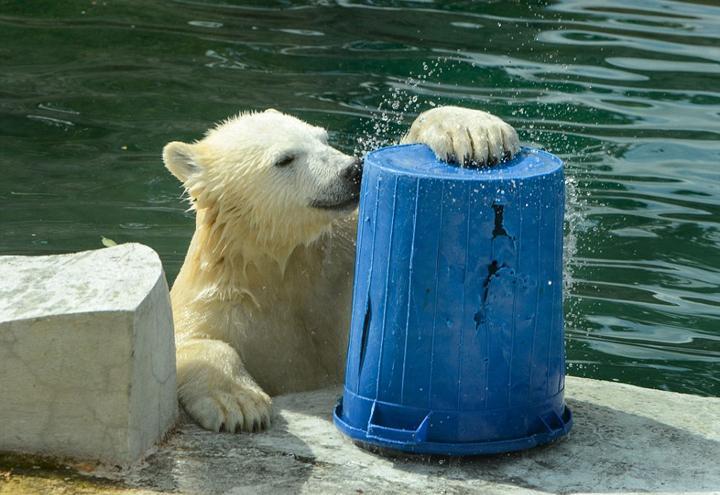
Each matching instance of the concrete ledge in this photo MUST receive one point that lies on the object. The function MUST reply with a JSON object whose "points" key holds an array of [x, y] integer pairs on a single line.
{"points": [[625, 440], [87, 354]]}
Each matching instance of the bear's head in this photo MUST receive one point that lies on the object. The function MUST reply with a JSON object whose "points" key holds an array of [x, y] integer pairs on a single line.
{"points": [[267, 180]]}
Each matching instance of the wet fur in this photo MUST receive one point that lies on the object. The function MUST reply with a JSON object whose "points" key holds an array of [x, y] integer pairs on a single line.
{"points": [[261, 304]]}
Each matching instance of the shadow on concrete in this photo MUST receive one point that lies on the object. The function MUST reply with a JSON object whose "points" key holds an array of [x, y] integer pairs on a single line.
{"points": [[608, 451], [198, 461]]}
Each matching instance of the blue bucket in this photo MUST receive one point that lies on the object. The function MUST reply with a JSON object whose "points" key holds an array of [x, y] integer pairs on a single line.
{"points": [[456, 341]]}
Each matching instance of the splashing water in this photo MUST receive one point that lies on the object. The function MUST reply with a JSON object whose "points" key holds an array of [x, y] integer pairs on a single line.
{"points": [[403, 101], [575, 225], [393, 111]]}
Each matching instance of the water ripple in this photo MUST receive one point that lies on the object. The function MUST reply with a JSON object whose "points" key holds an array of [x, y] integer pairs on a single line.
{"points": [[626, 93]]}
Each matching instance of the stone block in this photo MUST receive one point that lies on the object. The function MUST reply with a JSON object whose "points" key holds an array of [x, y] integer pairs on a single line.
{"points": [[87, 354]]}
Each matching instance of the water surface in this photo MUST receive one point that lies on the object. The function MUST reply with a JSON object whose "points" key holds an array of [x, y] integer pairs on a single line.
{"points": [[626, 92]]}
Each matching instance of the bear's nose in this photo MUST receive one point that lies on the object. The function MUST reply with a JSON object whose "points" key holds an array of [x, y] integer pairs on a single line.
{"points": [[353, 173]]}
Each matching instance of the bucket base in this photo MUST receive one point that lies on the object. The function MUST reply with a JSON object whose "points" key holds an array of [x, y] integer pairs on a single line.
{"points": [[392, 447]]}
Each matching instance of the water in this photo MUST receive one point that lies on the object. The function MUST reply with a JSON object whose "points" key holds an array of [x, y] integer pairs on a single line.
{"points": [[627, 93]]}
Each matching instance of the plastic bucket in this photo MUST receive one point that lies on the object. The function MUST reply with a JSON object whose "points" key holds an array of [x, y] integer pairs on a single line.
{"points": [[456, 341]]}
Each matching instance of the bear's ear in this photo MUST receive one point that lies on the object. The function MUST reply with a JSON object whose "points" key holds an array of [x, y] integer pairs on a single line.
{"points": [[180, 159], [272, 110]]}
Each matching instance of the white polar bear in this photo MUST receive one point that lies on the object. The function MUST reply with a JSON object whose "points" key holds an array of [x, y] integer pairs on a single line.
{"points": [[262, 301]]}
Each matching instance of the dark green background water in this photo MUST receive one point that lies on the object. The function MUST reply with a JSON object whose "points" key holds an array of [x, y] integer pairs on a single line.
{"points": [[626, 92]]}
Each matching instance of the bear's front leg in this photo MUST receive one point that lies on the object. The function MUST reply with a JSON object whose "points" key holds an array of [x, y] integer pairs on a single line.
{"points": [[216, 390], [464, 136]]}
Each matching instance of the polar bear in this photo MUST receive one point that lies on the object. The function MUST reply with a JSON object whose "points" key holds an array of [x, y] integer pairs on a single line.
{"points": [[261, 304]]}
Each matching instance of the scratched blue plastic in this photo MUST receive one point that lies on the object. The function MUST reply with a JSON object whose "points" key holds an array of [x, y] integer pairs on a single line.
{"points": [[456, 342]]}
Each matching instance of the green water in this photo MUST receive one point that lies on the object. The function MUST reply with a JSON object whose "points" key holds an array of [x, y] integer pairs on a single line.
{"points": [[626, 92]]}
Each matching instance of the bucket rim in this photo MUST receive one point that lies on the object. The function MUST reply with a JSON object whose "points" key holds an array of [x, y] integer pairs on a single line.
{"points": [[459, 448], [527, 163]]}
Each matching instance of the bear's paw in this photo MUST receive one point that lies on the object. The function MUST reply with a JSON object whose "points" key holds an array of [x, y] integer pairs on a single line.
{"points": [[464, 136], [243, 408]]}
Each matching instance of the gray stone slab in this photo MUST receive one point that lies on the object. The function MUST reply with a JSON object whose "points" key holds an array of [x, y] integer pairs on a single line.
{"points": [[625, 440], [87, 354]]}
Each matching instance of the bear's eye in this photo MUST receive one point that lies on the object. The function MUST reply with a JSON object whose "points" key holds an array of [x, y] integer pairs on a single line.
{"points": [[285, 161]]}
